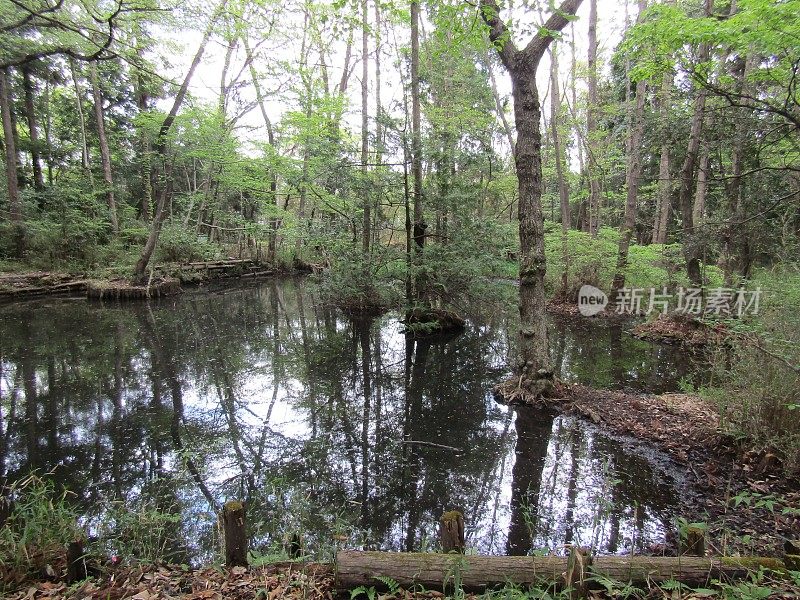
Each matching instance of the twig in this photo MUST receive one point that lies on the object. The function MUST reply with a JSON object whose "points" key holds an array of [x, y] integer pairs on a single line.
{"points": [[432, 445]]}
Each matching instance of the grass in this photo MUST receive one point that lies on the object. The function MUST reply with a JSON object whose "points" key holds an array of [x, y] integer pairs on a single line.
{"points": [[757, 380]]}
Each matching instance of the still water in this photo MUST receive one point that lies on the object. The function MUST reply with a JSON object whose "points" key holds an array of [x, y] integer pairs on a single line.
{"points": [[344, 430]]}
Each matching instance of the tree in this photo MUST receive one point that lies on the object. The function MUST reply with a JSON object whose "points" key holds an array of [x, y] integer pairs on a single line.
{"points": [[12, 183], [534, 360], [633, 173], [591, 125], [105, 152], [160, 149]]}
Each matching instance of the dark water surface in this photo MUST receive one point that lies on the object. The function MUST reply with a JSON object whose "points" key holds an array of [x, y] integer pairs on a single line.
{"points": [[265, 394]]}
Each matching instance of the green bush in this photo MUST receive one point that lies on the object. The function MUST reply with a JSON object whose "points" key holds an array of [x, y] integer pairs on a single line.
{"points": [[177, 244]]}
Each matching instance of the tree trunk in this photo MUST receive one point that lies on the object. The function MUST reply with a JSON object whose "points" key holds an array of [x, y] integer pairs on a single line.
{"points": [[534, 359], [12, 183], [160, 149], [691, 244], [699, 207], [33, 129], [664, 201], [416, 152], [563, 188], [105, 153], [367, 216], [273, 176], [379, 145], [632, 173], [81, 122], [591, 125]]}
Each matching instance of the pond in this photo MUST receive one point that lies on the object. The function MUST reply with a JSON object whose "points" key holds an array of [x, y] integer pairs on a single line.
{"points": [[344, 430]]}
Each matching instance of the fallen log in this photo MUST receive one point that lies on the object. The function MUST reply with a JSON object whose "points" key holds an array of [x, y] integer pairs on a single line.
{"points": [[435, 571]]}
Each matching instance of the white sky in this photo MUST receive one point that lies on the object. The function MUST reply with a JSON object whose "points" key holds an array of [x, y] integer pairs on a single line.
{"points": [[205, 84]]}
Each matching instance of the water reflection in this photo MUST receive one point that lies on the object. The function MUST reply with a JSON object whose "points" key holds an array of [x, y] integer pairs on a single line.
{"points": [[340, 429]]}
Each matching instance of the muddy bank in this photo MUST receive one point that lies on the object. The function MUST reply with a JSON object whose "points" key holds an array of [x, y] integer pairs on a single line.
{"points": [[750, 503], [681, 329], [165, 280]]}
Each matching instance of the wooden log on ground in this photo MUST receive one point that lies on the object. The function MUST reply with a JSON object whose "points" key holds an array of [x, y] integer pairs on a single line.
{"points": [[354, 568], [451, 532], [233, 526]]}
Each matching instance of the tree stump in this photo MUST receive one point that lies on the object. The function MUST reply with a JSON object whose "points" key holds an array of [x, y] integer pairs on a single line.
{"points": [[693, 542], [76, 562], [577, 572], [233, 526], [451, 531]]}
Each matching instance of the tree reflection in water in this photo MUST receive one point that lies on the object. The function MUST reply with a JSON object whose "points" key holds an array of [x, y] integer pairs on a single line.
{"points": [[266, 394]]}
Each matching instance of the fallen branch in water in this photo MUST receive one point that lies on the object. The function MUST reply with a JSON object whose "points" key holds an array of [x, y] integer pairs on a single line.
{"points": [[432, 445]]}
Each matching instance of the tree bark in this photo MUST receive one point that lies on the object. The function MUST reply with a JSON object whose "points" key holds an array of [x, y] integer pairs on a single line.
{"points": [[664, 201], [105, 153], [14, 203], [367, 216], [273, 175], [33, 128], [432, 571], [81, 121], [632, 174], [534, 360], [416, 153], [563, 187], [691, 244], [591, 125]]}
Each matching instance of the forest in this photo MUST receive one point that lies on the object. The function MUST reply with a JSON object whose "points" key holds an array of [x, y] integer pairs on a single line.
{"points": [[425, 194]]}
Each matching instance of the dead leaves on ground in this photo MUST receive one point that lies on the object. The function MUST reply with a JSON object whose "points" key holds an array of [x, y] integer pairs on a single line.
{"points": [[161, 583]]}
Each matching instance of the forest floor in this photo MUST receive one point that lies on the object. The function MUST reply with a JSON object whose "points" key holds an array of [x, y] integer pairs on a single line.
{"points": [[748, 501]]}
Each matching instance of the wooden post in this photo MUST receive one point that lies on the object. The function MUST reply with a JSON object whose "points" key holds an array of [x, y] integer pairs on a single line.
{"points": [[6, 508], [577, 571], [294, 547], [792, 556], [451, 531], [693, 541], [76, 562], [233, 525]]}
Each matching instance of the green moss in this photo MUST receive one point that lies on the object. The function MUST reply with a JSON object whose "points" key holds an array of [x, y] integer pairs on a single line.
{"points": [[452, 515], [233, 506], [754, 563]]}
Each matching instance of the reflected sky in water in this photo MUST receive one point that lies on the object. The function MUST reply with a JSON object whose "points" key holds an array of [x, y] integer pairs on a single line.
{"points": [[326, 425]]}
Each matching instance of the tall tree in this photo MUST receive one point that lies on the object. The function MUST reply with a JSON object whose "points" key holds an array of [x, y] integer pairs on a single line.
{"points": [[558, 151], [664, 197], [105, 152], [691, 243], [534, 360], [367, 217], [12, 183], [633, 172], [160, 149], [591, 124], [33, 127], [416, 153]]}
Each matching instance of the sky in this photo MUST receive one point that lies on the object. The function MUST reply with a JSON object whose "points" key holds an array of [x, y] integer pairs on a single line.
{"points": [[206, 83]]}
